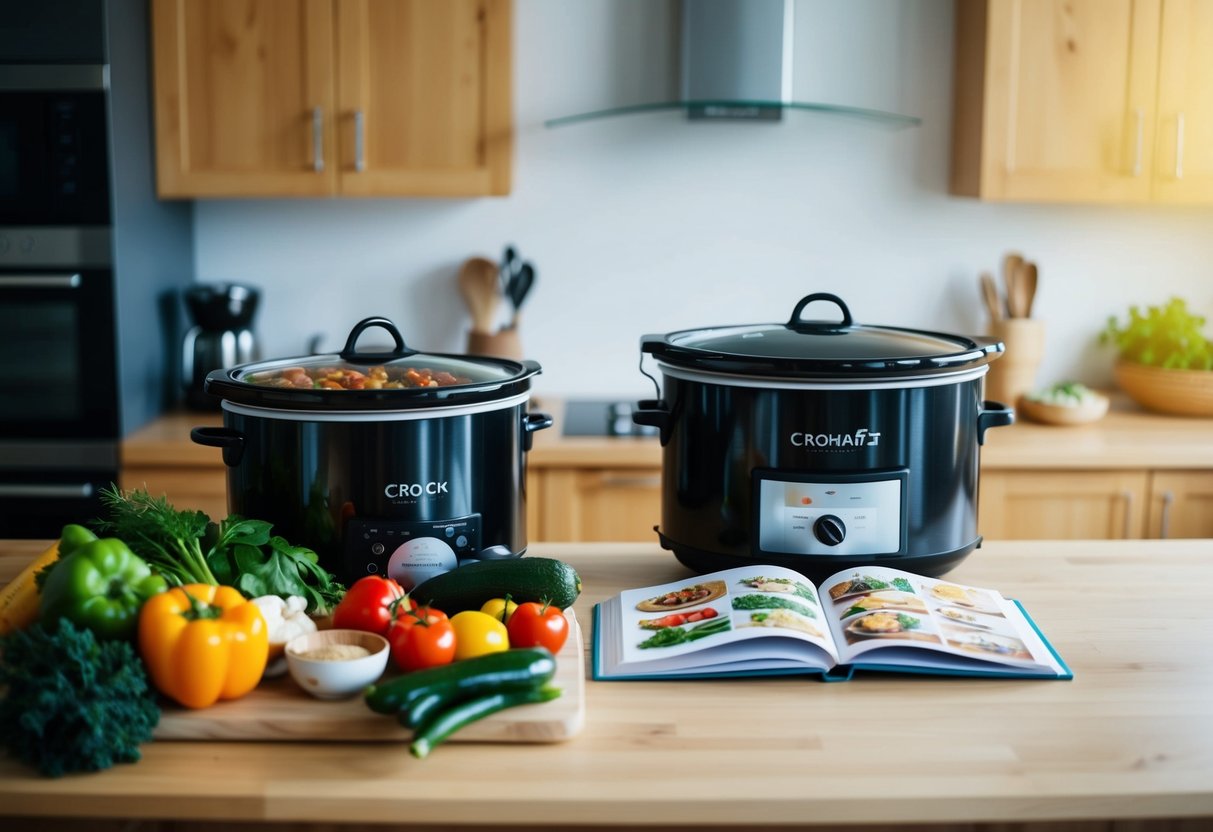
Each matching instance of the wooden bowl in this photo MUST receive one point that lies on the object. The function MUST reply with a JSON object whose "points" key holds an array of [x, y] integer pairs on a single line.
{"points": [[1181, 392], [1091, 410]]}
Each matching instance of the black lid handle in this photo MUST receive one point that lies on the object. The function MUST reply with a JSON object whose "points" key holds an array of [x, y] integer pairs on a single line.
{"points": [[799, 325], [350, 351]]}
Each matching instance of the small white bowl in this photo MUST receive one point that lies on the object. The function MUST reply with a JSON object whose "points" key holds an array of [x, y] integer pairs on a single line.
{"points": [[336, 678]]}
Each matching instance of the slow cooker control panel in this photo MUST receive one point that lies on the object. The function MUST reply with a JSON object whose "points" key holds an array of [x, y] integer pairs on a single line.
{"points": [[409, 551], [859, 514]]}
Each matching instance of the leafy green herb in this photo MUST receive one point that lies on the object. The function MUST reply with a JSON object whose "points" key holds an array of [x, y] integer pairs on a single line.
{"points": [[903, 584], [757, 601], [1164, 336], [908, 622], [169, 540], [281, 569], [71, 702], [670, 636], [186, 547]]}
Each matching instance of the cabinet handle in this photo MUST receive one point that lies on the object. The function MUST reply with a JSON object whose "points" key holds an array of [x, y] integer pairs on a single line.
{"points": [[1179, 146], [40, 281], [318, 139], [1127, 496], [630, 481], [81, 491], [1140, 119], [359, 142], [1164, 523]]}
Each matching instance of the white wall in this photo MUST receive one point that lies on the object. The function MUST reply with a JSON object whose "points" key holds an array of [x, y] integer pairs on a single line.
{"points": [[650, 223]]}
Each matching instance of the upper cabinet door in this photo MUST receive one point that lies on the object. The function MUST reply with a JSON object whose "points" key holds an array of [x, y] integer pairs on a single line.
{"points": [[424, 97], [324, 97], [1055, 99], [1183, 170], [244, 97]]}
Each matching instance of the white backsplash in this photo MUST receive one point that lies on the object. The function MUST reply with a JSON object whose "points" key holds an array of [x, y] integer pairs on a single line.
{"points": [[650, 223]]}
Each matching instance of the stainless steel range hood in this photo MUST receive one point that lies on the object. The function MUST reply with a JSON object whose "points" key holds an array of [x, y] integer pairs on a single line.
{"points": [[736, 63], [736, 58]]}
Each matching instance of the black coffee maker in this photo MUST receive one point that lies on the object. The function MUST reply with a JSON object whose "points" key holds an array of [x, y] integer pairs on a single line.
{"points": [[221, 337]]}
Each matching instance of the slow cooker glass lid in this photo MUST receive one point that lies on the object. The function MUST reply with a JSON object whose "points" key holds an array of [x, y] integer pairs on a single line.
{"points": [[836, 347], [853, 343], [332, 372]]}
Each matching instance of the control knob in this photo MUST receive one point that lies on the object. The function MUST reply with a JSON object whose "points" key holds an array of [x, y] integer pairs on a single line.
{"points": [[829, 529]]}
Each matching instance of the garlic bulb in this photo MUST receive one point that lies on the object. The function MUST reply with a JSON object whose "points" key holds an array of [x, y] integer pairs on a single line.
{"points": [[284, 620]]}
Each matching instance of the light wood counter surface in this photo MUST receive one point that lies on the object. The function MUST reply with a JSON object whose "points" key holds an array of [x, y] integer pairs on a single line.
{"points": [[1131, 737], [1128, 437]]}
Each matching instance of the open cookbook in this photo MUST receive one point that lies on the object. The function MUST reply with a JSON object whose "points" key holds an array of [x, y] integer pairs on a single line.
{"points": [[767, 620]]}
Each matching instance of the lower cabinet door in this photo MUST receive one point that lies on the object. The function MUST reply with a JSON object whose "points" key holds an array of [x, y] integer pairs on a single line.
{"points": [[1181, 504], [598, 504], [1060, 505]]}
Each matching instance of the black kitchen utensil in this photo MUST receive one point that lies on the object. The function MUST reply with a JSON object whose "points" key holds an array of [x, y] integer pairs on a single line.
{"points": [[511, 264], [519, 287]]}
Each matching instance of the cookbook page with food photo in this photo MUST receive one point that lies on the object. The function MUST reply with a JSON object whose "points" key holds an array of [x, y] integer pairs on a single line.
{"points": [[887, 619], [768, 620]]}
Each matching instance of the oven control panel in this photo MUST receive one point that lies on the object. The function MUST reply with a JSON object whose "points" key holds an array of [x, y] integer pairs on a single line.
{"points": [[858, 514], [409, 551]]}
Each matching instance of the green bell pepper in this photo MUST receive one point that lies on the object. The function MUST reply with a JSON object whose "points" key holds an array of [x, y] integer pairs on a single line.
{"points": [[100, 585], [72, 538]]}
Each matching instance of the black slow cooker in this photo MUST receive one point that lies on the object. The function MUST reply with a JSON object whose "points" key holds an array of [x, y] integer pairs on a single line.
{"points": [[398, 463], [820, 445]]}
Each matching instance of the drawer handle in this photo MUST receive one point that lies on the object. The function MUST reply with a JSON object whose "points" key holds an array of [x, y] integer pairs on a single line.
{"points": [[1179, 146], [359, 141], [1139, 120], [630, 481], [318, 139], [78, 492], [1127, 496], [1164, 524], [40, 281]]}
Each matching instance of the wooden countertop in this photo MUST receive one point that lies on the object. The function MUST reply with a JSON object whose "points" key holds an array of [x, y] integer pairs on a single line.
{"points": [[1130, 737], [1128, 437]]}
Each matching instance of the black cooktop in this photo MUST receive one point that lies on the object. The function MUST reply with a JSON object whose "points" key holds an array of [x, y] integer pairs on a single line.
{"points": [[601, 417]]}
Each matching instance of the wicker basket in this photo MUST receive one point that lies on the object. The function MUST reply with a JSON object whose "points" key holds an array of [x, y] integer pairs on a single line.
{"points": [[1183, 392]]}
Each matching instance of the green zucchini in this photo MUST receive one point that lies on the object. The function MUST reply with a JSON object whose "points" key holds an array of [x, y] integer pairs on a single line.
{"points": [[514, 669], [447, 722], [523, 579]]}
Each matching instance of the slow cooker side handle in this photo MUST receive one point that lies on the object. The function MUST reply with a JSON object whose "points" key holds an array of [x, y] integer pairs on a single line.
{"points": [[654, 413], [230, 440], [992, 415], [532, 422]]}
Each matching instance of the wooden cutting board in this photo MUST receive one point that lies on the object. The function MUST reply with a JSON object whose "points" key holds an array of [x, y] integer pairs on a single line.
{"points": [[278, 709]]}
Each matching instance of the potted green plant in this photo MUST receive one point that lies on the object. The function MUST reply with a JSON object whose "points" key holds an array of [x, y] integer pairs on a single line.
{"points": [[1164, 361]]}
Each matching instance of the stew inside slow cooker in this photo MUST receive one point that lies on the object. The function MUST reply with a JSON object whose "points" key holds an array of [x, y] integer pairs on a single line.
{"points": [[345, 378]]}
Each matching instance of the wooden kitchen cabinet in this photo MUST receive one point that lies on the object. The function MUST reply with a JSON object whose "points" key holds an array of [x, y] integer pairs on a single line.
{"points": [[1034, 505], [597, 504], [1095, 505], [1083, 100], [332, 97], [1181, 504]]}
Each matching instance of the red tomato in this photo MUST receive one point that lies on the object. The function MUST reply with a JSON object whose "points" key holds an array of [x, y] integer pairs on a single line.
{"points": [[538, 625], [370, 604], [420, 638]]}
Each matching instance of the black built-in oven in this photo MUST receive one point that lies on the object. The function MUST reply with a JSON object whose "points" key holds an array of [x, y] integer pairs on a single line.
{"points": [[59, 418]]}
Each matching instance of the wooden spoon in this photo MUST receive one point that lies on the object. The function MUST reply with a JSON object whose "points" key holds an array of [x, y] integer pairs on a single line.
{"points": [[989, 293], [1028, 276], [479, 281], [1010, 274]]}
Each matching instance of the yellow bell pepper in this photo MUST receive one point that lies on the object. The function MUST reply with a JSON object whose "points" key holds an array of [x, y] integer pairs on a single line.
{"points": [[203, 643]]}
